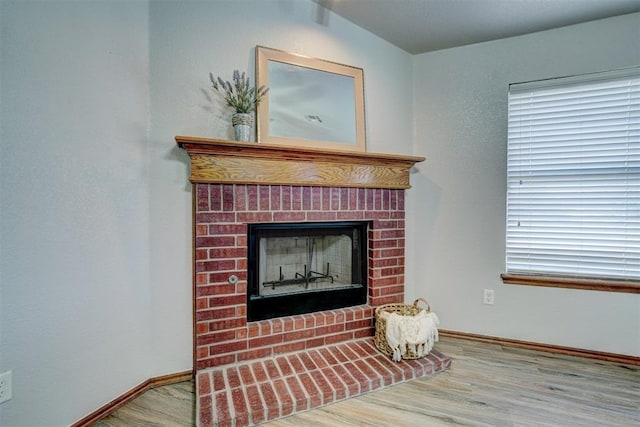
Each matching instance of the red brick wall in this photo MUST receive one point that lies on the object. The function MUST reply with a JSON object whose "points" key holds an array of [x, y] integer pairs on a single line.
{"points": [[222, 212]]}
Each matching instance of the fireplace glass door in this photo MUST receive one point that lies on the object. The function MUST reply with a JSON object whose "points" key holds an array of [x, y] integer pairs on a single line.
{"points": [[305, 267]]}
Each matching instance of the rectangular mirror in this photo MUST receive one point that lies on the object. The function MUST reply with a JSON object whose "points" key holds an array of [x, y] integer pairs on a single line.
{"points": [[310, 103]]}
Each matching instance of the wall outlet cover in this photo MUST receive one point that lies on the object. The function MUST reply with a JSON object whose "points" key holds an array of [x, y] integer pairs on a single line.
{"points": [[5, 386], [488, 297]]}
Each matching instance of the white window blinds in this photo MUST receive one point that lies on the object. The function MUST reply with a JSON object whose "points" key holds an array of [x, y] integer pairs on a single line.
{"points": [[573, 177]]}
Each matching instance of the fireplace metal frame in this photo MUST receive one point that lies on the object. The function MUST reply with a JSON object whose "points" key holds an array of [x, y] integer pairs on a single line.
{"points": [[261, 307]]}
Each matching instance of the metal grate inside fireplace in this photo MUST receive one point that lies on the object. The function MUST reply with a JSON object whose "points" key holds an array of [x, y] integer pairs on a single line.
{"points": [[297, 268]]}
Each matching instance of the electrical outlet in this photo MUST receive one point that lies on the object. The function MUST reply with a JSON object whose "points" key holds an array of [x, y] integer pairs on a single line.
{"points": [[487, 297], [5, 387]]}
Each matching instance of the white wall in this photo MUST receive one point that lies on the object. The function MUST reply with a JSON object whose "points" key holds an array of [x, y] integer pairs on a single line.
{"points": [[95, 225], [75, 308], [458, 203], [74, 232], [190, 38]]}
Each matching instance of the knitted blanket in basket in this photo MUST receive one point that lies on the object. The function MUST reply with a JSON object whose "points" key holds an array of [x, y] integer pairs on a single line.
{"points": [[411, 333]]}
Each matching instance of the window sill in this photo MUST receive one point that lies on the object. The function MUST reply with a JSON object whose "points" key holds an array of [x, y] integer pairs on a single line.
{"points": [[621, 286]]}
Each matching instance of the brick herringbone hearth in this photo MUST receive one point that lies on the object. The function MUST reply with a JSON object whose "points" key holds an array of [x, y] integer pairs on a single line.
{"points": [[261, 390]]}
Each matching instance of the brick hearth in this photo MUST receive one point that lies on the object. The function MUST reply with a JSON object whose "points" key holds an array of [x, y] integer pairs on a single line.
{"points": [[266, 389]]}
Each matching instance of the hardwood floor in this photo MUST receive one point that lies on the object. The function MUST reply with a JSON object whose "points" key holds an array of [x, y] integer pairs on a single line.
{"points": [[170, 406], [488, 385]]}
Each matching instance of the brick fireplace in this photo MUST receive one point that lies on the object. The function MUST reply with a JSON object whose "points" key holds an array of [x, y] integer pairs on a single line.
{"points": [[223, 212], [240, 184], [235, 185]]}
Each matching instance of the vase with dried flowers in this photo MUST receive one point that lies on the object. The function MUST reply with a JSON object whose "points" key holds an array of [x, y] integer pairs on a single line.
{"points": [[243, 98]]}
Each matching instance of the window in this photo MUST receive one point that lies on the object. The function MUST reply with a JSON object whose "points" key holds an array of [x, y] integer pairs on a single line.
{"points": [[573, 178]]}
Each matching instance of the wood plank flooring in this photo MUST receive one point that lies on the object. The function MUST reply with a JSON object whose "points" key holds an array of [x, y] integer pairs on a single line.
{"points": [[488, 385]]}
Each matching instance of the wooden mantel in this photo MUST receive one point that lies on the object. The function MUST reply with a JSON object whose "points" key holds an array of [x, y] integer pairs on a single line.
{"points": [[227, 162]]}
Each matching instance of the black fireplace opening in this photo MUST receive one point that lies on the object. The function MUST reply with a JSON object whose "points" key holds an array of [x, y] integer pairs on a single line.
{"points": [[297, 268]]}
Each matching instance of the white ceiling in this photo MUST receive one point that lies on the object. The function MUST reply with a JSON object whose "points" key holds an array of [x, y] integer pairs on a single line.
{"points": [[419, 26]]}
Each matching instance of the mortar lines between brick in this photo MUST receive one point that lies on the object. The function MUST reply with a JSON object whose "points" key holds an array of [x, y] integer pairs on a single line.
{"points": [[232, 408], [365, 373]]}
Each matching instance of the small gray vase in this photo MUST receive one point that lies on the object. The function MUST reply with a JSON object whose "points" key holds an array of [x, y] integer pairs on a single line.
{"points": [[242, 126]]}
